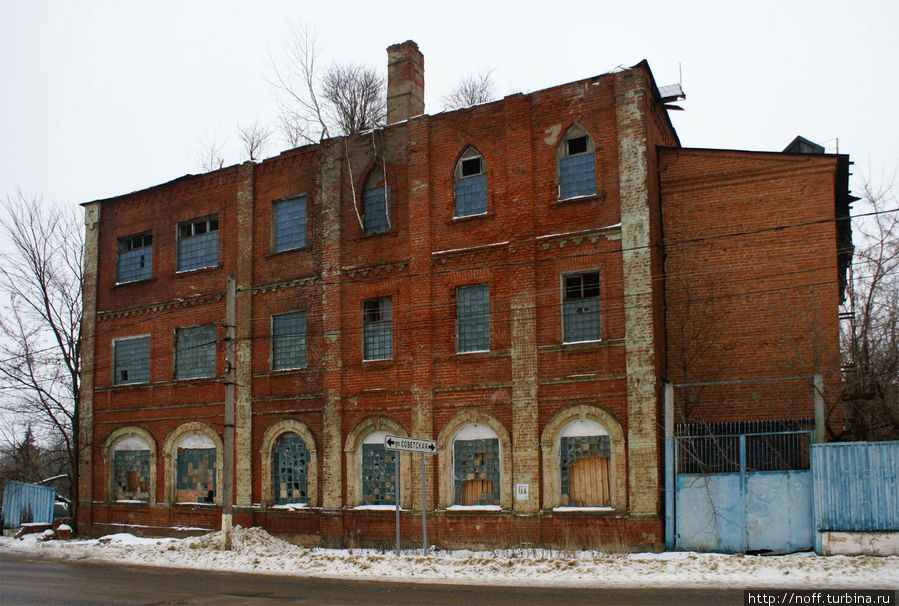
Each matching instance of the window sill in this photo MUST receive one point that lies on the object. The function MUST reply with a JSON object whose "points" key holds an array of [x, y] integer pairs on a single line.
{"points": [[377, 362], [480, 355], [130, 385], [377, 508], [192, 272], [565, 509], [278, 253], [389, 232], [597, 197], [132, 282], [292, 507], [195, 504], [129, 502], [474, 509], [483, 215], [575, 345], [277, 372]]}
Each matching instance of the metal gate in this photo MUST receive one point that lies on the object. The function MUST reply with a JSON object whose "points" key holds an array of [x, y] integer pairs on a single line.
{"points": [[743, 487]]}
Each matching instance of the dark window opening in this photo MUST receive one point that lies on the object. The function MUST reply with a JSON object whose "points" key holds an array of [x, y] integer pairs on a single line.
{"points": [[577, 145], [471, 166]]}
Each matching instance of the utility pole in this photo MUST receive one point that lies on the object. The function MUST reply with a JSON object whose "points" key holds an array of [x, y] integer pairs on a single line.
{"points": [[228, 463]]}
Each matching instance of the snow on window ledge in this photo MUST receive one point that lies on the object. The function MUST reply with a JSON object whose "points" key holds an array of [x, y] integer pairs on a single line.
{"points": [[584, 508], [291, 506], [474, 508], [131, 501], [377, 508]]}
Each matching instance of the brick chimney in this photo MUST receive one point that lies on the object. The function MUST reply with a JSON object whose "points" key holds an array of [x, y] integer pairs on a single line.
{"points": [[405, 82]]}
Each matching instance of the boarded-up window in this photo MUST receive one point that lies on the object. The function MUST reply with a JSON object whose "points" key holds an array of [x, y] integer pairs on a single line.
{"points": [[131, 360], [476, 471], [131, 470], [135, 258], [378, 475], [290, 459], [289, 340], [195, 352], [290, 223], [473, 318], [198, 244], [196, 475], [585, 471]]}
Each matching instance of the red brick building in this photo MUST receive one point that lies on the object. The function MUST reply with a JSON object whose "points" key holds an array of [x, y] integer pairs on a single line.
{"points": [[516, 280]]}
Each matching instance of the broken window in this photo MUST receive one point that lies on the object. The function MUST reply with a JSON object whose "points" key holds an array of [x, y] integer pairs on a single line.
{"points": [[135, 258], [473, 318], [198, 244], [290, 459], [195, 467], [376, 204], [195, 352], [580, 307], [131, 470], [290, 223], [377, 329], [476, 466], [585, 451], [289, 340], [131, 360], [378, 471], [470, 178], [577, 171]]}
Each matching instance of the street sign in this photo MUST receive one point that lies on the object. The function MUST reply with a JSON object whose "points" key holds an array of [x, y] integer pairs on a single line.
{"points": [[410, 444]]}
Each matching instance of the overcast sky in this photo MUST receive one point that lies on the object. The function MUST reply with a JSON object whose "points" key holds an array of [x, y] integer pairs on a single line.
{"points": [[103, 98]]}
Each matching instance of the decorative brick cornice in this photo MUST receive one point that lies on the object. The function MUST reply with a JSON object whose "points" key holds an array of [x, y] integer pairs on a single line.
{"points": [[158, 307]]}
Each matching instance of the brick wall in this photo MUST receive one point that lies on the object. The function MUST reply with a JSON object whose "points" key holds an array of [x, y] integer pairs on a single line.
{"points": [[746, 299], [521, 248]]}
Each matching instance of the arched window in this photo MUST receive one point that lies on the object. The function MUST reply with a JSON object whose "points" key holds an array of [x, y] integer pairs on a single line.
{"points": [[376, 203], [377, 468], [583, 459], [470, 184], [476, 466], [290, 461], [584, 453], [195, 457], [576, 172], [131, 469]]}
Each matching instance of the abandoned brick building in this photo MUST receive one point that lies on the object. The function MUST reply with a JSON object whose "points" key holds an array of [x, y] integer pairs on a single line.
{"points": [[516, 280]]}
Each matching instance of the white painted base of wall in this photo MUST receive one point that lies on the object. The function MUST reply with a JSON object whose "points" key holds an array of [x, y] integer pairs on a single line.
{"points": [[860, 543]]}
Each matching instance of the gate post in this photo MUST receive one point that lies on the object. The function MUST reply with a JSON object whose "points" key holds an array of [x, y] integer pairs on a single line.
{"points": [[670, 470]]}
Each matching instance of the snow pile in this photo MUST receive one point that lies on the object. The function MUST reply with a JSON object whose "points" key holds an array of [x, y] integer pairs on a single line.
{"points": [[254, 550]]}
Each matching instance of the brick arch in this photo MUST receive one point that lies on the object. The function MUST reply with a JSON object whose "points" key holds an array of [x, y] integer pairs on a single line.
{"points": [[550, 443], [445, 455], [171, 441], [353, 454], [269, 438], [120, 434]]}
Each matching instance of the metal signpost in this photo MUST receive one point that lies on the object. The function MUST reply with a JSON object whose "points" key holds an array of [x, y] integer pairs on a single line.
{"points": [[420, 445]]}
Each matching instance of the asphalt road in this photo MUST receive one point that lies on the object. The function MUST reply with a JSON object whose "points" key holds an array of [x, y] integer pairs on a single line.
{"points": [[26, 581]]}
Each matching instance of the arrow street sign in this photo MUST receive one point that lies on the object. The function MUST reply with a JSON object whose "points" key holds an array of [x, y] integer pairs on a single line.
{"points": [[410, 444]]}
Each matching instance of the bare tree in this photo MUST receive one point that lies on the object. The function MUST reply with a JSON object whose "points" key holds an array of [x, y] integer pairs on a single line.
{"points": [[870, 338], [40, 329], [209, 154], [347, 99], [471, 90], [254, 137], [356, 97]]}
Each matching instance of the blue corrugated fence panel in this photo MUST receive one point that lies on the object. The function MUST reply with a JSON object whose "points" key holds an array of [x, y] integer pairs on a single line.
{"points": [[24, 503], [856, 486]]}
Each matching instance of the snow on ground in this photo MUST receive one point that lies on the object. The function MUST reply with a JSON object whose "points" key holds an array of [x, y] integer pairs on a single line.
{"points": [[257, 551]]}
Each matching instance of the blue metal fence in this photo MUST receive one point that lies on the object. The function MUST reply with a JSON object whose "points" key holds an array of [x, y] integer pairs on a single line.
{"points": [[856, 486], [24, 503]]}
